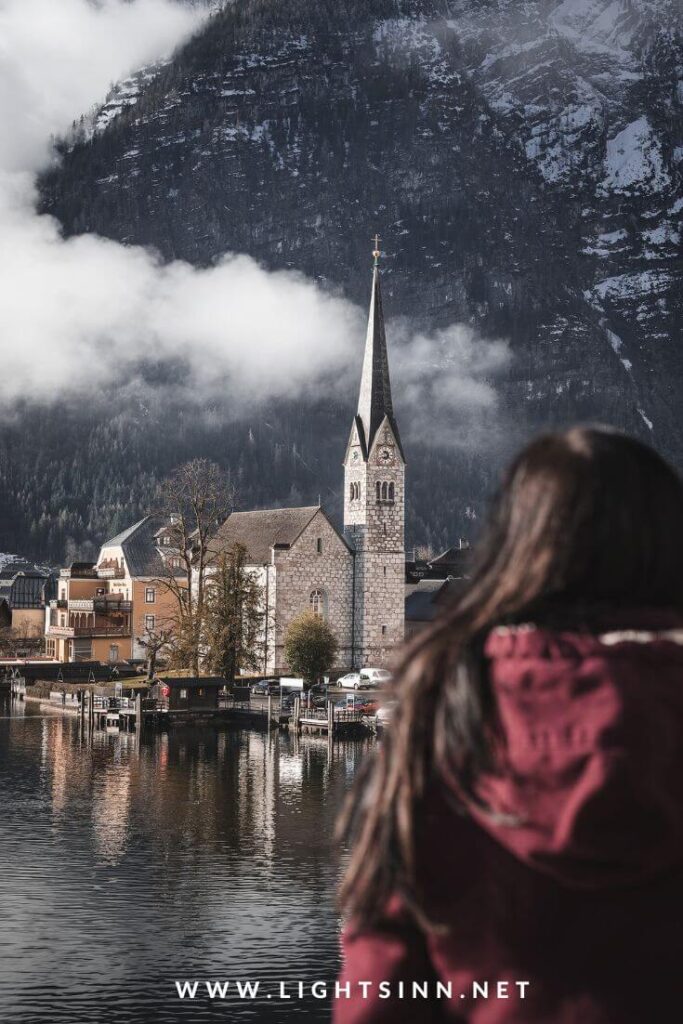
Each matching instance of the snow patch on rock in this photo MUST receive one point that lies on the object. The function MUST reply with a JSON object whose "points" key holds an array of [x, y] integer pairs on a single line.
{"points": [[633, 160]]}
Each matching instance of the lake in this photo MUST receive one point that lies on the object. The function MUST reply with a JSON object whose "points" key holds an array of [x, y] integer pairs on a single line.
{"points": [[199, 854]]}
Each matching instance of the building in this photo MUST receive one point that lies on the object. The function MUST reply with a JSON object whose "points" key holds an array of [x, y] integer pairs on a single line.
{"points": [[302, 563], [189, 693], [25, 591], [105, 610], [89, 619], [432, 583], [374, 502], [140, 561], [353, 578]]}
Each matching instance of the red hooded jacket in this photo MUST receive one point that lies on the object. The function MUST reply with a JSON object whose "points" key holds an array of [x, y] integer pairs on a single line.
{"points": [[583, 897]]}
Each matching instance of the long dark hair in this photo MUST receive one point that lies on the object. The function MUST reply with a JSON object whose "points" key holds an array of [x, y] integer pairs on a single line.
{"points": [[586, 521]]}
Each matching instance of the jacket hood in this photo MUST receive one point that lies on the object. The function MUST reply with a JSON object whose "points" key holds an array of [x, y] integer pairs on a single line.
{"points": [[588, 785]]}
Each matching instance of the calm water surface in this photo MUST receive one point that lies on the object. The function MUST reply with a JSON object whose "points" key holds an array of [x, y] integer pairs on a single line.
{"points": [[200, 854]]}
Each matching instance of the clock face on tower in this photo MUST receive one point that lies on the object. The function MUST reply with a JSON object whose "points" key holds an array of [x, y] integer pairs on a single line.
{"points": [[385, 454], [354, 455]]}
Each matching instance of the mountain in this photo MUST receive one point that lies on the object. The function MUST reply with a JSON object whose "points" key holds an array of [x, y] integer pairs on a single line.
{"points": [[523, 162]]}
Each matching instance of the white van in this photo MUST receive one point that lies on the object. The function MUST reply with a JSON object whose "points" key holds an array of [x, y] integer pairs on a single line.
{"points": [[375, 676]]}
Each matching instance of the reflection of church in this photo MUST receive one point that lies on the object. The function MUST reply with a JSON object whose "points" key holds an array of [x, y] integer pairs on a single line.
{"points": [[355, 579]]}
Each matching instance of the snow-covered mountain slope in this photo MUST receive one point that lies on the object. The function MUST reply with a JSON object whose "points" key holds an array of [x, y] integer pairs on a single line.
{"points": [[594, 91]]}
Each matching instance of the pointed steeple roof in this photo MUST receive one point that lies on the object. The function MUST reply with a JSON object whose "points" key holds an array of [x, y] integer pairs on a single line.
{"points": [[374, 400]]}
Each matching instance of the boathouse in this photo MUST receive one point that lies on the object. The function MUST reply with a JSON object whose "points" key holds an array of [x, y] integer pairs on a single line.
{"points": [[189, 693]]}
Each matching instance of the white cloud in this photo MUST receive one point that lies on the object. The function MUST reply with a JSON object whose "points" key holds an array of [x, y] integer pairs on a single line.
{"points": [[59, 57], [448, 381]]}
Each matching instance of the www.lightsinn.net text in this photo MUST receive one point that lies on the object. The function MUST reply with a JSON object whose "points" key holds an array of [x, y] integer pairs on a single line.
{"points": [[296, 990]]}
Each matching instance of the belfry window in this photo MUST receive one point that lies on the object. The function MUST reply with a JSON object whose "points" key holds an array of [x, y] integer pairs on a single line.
{"points": [[318, 603], [385, 491]]}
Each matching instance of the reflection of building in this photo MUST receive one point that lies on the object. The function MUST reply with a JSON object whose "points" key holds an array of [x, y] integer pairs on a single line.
{"points": [[111, 807]]}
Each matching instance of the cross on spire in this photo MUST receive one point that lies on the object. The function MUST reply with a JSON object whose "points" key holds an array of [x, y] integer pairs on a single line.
{"points": [[376, 252]]}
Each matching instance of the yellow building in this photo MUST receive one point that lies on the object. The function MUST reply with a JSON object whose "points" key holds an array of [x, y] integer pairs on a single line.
{"points": [[105, 610]]}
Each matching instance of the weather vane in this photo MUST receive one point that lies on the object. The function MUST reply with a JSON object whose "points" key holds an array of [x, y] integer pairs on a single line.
{"points": [[376, 252]]}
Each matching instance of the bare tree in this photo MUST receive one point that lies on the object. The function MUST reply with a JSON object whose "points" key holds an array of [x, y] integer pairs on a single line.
{"points": [[157, 641], [195, 500]]}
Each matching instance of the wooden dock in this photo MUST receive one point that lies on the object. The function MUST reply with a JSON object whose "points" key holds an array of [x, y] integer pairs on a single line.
{"points": [[140, 714]]}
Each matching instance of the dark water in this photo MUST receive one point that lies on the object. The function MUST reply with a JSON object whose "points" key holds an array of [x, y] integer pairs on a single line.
{"points": [[199, 854]]}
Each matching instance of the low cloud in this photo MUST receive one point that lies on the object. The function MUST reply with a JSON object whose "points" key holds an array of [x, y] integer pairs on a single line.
{"points": [[89, 314], [449, 381]]}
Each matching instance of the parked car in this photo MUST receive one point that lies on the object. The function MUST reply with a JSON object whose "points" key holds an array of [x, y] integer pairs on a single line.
{"points": [[353, 681], [366, 705], [384, 715], [265, 687], [376, 676]]}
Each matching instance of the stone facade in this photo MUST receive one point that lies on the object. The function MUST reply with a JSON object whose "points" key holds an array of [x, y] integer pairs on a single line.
{"points": [[374, 513], [315, 573]]}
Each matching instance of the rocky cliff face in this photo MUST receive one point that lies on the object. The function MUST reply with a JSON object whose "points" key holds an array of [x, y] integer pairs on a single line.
{"points": [[523, 161]]}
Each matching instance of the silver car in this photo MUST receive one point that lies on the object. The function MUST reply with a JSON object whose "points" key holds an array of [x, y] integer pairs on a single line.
{"points": [[351, 681]]}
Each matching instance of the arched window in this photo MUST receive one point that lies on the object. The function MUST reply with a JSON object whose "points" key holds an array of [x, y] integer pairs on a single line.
{"points": [[318, 603], [357, 485], [385, 491], [391, 492], [352, 491]]}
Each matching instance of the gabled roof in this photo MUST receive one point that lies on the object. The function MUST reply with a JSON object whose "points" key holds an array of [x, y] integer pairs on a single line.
{"points": [[10, 568], [118, 540], [261, 530], [139, 547], [374, 400], [424, 600], [452, 557]]}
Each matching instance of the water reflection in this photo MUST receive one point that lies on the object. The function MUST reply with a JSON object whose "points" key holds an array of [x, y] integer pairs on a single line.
{"points": [[202, 853]]}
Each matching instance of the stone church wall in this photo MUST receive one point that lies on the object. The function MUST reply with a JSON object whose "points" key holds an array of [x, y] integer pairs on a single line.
{"points": [[300, 570]]}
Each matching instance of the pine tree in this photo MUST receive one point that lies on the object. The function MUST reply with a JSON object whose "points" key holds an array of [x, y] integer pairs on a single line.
{"points": [[234, 616]]}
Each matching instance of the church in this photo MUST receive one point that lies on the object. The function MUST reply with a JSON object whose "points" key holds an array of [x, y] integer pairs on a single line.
{"points": [[355, 579]]}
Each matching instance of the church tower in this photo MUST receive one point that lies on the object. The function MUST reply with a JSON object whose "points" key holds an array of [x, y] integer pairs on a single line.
{"points": [[374, 501]]}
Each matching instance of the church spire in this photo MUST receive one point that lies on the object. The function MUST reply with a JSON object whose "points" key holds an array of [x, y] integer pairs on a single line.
{"points": [[374, 401]]}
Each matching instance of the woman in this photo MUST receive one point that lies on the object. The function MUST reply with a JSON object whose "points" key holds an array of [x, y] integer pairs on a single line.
{"points": [[517, 840]]}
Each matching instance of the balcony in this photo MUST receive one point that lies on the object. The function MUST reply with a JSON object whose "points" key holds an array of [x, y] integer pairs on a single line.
{"points": [[110, 570], [108, 603], [101, 630]]}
